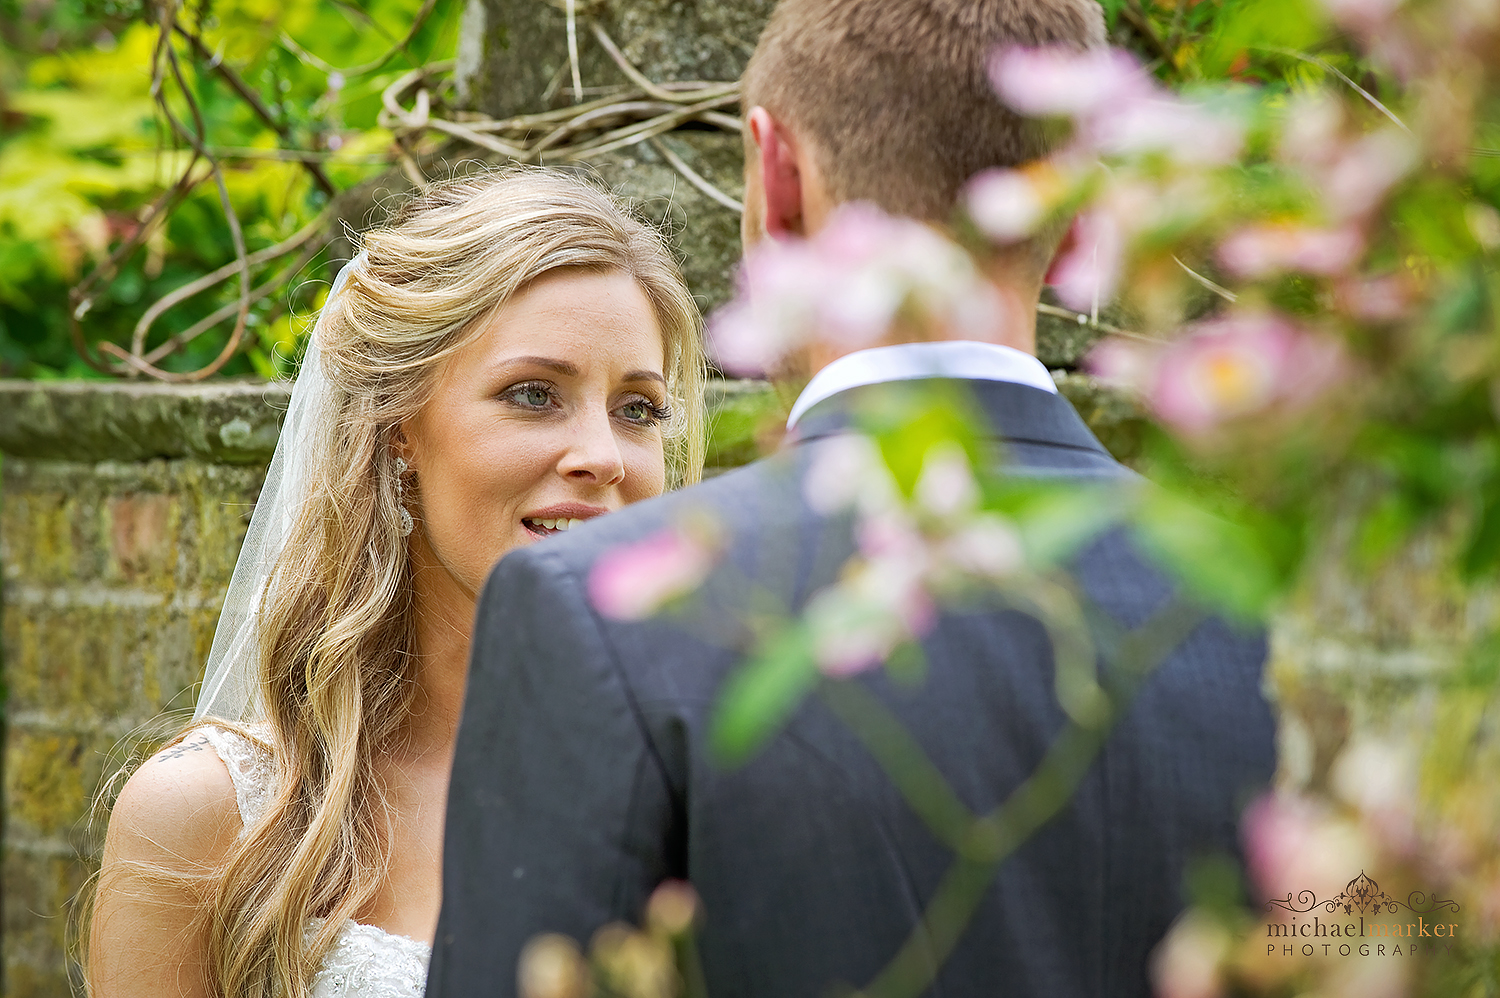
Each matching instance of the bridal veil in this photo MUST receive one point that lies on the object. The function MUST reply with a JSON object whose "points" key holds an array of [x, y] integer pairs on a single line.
{"points": [[231, 676]]}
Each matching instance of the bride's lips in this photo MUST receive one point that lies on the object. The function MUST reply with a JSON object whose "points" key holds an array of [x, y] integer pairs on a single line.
{"points": [[558, 518]]}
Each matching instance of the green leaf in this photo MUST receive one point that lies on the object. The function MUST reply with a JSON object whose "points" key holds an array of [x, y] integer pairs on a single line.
{"points": [[1258, 25], [1055, 521], [1483, 552], [759, 698], [1224, 564]]}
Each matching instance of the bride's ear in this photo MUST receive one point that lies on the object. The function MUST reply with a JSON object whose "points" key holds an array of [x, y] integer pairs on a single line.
{"points": [[402, 446]]}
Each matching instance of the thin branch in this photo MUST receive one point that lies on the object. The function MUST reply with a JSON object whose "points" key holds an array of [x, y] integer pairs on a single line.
{"points": [[573, 51], [622, 137], [1336, 72], [250, 97], [1031, 805], [693, 177], [1084, 319], [1133, 13], [399, 47], [640, 79], [236, 235], [1217, 289], [1175, 39], [213, 319], [186, 291]]}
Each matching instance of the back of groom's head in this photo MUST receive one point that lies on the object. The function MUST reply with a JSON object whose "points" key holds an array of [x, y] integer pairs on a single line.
{"points": [[895, 94]]}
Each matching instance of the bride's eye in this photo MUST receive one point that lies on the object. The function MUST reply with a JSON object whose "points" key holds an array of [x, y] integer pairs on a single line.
{"points": [[644, 412], [529, 395]]}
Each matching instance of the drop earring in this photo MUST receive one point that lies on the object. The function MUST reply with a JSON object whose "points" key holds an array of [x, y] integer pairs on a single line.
{"points": [[406, 523]]}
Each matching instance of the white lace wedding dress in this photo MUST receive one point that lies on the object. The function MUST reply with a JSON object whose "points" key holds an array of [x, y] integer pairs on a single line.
{"points": [[364, 961]]}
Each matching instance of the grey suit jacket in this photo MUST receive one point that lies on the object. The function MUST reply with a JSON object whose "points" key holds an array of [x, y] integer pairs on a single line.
{"points": [[583, 775]]}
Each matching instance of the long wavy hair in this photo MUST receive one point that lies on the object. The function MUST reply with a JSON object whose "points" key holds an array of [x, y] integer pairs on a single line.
{"points": [[338, 634]]}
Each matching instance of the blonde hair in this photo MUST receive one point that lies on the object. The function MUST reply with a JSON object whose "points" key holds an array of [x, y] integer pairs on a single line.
{"points": [[338, 636]]}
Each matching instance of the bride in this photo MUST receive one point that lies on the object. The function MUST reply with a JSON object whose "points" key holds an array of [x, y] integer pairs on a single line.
{"points": [[512, 355]]}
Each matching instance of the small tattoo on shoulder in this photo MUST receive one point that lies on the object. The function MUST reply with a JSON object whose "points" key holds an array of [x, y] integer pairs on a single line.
{"points": [[182, 748]]}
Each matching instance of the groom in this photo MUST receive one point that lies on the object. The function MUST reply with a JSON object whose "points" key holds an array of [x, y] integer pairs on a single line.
{"points": [[583, 776]]}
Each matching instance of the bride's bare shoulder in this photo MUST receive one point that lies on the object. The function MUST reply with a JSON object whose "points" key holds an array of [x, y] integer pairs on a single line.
{"points": [[178, 806]]}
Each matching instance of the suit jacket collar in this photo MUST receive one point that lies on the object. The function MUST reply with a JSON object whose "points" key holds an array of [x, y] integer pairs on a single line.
{"points": [[1017, 414]]}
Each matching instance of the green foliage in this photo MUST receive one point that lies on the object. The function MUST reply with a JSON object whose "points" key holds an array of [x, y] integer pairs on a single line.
{"points": [[761, 696], [85, 150]]}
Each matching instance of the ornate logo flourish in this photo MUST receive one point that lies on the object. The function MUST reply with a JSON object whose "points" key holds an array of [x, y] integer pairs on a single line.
{"points": [[1364, 896]]}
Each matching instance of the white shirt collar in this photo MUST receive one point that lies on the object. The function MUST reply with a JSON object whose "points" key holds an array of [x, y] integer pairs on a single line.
{"points": [[906, 361]]}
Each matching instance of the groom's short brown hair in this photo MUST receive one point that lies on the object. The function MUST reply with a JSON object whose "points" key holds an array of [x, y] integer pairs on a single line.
{"points": [[896, 93]]}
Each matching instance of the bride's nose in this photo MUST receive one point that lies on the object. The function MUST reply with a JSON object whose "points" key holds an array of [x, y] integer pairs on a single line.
{"points": [[592, 453]]}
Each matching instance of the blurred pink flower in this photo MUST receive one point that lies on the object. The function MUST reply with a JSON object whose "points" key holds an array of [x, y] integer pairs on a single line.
{"points": [[1363, 16], [1187, 132], [1240, 366], [1374, 299], [1087, 275], [1294, 844], [986, 546], [1187, 963], [1117, 106], [848, 285], [1057, 81], [1004, 204], [1122, 363], [860, 620], [946, 486], [848, 470], [1260, 250], [633, 581], [1367, 168]]}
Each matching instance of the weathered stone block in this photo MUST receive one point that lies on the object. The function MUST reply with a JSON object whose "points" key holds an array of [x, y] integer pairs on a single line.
{"points": [[34, 917], [44, 783], [521, 61], [704, 234], [229, 422]]}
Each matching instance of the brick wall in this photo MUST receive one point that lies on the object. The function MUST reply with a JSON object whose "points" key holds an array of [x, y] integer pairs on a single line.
{"points": [[123, 509]]}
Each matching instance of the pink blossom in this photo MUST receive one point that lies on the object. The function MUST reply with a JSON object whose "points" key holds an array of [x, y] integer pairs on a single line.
{"points": [[1058, 81], [1004, 204], [1260, 250], [1368, 168], [1122, 363], [1087, 275], [633, 581], [1117, 106], [1294, 844], [946, 486], [848, 470], [1363, 16], [1187, 963], [857, 623], [1239, 366], [986, 546], [1374, 299], [1189, 133], [1311, 128], [848, 285]]}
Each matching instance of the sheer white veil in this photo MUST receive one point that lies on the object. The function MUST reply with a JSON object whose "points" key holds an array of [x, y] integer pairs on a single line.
{"points": [[231, 678]]}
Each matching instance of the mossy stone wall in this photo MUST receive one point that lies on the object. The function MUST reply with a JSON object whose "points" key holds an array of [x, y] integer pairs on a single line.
{"points": [[123, 509]]}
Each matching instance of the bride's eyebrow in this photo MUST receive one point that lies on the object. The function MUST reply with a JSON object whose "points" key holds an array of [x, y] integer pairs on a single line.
{"points": [[570, 370], [563, 367]]}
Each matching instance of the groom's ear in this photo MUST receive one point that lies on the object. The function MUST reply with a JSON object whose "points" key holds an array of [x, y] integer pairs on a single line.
{"points": [[776, 152]]}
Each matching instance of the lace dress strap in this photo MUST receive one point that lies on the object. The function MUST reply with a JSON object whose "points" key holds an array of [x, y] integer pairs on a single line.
{"points": [[252, 769]]}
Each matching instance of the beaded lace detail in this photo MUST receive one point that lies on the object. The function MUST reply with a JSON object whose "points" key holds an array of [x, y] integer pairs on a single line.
{"points": [[364, 961]]}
